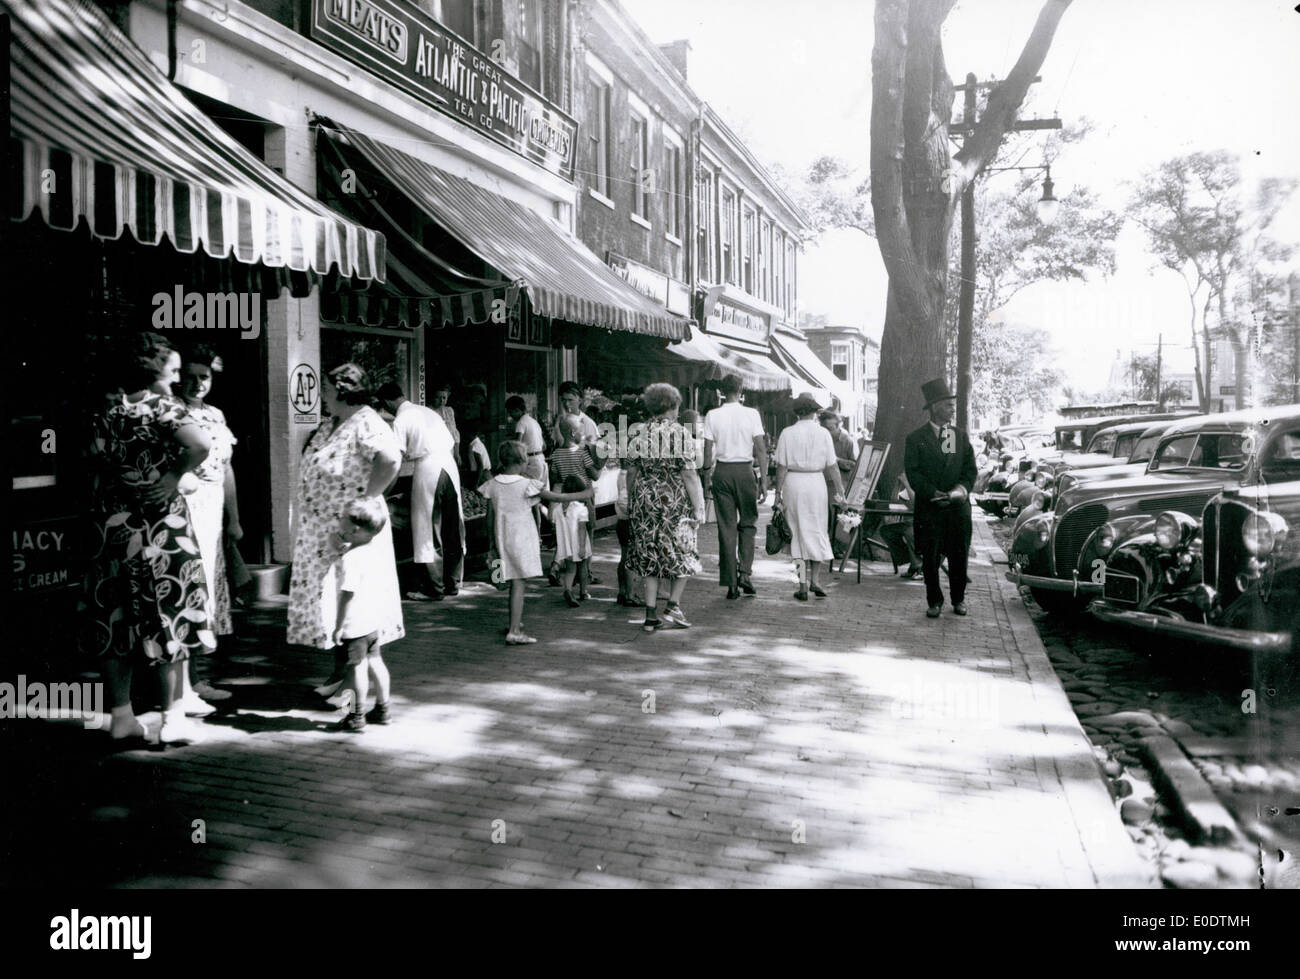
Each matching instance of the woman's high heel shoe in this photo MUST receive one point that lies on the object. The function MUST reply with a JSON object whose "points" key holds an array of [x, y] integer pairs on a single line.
{"points": [[817, 590]]}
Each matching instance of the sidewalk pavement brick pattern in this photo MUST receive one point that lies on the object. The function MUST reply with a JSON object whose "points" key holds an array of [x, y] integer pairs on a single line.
{"points": [[846, 742]]}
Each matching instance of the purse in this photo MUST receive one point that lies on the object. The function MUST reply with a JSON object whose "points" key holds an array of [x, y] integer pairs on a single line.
{"points": [[778, 532]]}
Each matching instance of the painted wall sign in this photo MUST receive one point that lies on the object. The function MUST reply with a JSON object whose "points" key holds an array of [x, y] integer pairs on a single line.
{"points": [[42, 556], [732, 321], [662, 288], [304, 395], [408, 48]]}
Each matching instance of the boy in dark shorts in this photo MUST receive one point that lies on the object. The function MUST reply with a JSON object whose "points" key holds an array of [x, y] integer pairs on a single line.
{"points": [[358, 613]]}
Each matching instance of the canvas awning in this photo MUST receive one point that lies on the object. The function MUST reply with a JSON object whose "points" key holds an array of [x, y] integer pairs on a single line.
{"points": [[562, 278], [103, 136], [811, 373], [718, 360]]}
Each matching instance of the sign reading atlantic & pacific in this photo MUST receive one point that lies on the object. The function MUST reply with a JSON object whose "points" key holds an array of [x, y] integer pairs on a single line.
{"points": [[415, 53]]}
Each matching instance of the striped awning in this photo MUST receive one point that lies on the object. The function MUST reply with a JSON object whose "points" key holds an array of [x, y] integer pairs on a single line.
{"points": [[818, 379], [102, 135], [433, 312], [563, 279], [757, 374]]}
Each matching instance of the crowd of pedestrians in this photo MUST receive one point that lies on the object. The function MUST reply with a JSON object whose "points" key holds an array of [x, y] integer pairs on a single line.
{"points": [[166, 507]]}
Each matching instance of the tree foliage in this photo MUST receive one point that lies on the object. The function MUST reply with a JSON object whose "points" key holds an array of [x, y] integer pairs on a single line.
{"points": [[1201, 223]]}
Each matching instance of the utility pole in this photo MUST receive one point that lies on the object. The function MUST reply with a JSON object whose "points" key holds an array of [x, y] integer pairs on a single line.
{"points": [[1160, 346], [966, 294]]}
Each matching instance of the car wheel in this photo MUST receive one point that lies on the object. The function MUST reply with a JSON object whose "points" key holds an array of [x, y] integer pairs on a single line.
{"points": [[1060, 603]]}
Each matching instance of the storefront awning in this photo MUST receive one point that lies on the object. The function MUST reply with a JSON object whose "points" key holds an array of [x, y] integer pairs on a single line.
{"points": [[562, 278], [757, 374], [103, 135], [817, 379]]}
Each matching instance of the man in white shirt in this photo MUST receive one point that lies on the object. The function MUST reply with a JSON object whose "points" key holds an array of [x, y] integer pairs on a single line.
{"points": [[441, 397], [527, 430], [437, 520], [571, 404], [734, 444]]}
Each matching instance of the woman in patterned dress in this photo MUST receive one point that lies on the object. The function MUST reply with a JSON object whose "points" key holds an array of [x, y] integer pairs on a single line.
{"points": [[665, 505], [353, 454], [145, 591], [212, 506]]}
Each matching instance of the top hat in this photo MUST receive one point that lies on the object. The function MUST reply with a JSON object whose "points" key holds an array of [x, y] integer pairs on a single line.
{"points": [[936, 390]]}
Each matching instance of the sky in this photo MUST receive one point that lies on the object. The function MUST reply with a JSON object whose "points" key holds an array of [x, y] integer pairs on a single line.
{"points": [[1157, 78]]}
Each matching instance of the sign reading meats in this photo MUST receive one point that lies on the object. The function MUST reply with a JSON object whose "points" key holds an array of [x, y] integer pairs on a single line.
{"points": [[414, 52]]}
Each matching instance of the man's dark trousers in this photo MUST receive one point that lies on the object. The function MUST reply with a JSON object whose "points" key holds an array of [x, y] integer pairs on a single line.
{"points": [[735, 503], [446, 534], [941, 529]]}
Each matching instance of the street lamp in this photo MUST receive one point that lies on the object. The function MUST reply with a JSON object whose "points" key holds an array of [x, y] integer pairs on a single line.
{"points": [[1048, 206]]}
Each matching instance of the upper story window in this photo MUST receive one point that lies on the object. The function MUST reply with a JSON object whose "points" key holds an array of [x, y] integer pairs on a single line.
{"points": [[531, 43], [674, 183], [598, 134], [778, 263], [642, 178], [840, 360], [789, 276], [764, 261], [704, 222], [455, 14], [729, 236], [749, 249]]}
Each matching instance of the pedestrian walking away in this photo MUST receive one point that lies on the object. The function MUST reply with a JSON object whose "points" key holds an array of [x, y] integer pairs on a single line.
{"points": [[940, 465], [805, 467], [736, 448], [437, 516]]}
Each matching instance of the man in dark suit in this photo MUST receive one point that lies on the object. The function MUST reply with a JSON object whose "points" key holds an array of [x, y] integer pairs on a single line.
{"points": [[940, 465]]}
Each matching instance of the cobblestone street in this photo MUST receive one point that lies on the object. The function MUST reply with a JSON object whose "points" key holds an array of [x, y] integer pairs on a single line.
{"points": [[850, 742]]}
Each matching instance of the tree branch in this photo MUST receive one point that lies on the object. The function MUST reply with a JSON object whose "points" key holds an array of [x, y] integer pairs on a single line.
{"points": [[1006, 99]]}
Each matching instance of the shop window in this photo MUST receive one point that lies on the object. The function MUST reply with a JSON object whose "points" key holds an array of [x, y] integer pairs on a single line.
{"points": [[598, 134], [642, 181], [840, 360], [457, 15], [531, 43]]}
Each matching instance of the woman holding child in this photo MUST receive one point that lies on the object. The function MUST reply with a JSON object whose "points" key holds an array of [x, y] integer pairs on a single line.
{"points": [[353, 454], [665, 505]]}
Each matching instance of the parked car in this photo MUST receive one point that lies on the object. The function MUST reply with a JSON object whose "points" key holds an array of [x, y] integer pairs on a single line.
{"points": [[1062, 554], [1229, 576], [1141, 448]]}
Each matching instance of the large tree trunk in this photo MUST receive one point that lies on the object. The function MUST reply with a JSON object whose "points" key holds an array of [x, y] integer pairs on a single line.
{"points": [[915, 186]]}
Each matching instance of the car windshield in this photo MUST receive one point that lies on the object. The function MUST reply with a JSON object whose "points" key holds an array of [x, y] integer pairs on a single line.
{"points": [[1124, 445], [1013, 443], [1070, 439], [1203, 450], [1282, 460], [1102, 442], [1144, 448]]}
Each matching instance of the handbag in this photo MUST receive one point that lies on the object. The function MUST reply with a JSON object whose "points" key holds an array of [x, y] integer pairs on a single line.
{"points": [[778, 531]]}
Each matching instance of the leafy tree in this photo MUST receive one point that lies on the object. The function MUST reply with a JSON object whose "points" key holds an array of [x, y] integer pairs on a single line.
{"points": [[1009, 367], [832, 193], [1199, 223], [917, 182]]}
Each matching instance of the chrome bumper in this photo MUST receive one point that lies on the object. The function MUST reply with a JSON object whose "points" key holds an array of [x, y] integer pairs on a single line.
{"points": [[1072, 585], [993, 497], [1243, 639]]}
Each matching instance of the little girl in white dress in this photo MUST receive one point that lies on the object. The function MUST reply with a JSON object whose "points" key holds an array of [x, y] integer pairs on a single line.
{"points": [[572, 542], [517, 554]]}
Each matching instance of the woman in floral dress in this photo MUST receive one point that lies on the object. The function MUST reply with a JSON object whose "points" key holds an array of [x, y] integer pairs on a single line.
{"points": [[354, 453], [665, 505], [212, 506], [145, 589]]}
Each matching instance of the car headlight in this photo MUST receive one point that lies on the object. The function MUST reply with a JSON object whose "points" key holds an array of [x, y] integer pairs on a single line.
{"points": [[1169, 532], [1262, 532], [1044, 480], [1106, 539], [1040, 500], [1033, 535], [1044, 535]]}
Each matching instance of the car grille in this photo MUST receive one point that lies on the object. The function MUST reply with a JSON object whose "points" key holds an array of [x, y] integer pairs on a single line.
{"points": [[1226, 555], [1073, 531], [1189, 503]]}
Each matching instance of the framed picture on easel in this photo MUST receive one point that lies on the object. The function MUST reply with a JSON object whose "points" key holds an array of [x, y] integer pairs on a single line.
{"points": [[866, 474]]}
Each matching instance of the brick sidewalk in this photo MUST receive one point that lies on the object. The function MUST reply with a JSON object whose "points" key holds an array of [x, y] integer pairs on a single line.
{"points": [[850, 742]]}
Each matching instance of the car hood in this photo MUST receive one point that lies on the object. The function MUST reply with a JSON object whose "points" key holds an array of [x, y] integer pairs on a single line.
{"points": [[1126, 471], [1143, 484], [1086, 460]]}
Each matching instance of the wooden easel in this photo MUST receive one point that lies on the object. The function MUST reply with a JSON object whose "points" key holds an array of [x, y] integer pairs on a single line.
{"points": [[866, 475]]}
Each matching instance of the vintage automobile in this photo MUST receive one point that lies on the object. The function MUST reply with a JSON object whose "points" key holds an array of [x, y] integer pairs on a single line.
{"points": [[1141, 447], [1230, 578], [1061, 554]]}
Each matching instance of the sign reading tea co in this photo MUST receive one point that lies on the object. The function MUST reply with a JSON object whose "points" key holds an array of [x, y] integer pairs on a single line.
{"points": [[416, 53]]}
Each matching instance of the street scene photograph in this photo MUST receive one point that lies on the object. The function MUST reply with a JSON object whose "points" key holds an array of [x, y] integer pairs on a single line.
{"points": [[652, 444]]}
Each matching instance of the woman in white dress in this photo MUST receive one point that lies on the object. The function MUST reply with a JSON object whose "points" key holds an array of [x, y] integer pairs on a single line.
{"points": [[214, 514], [805, 465]]}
